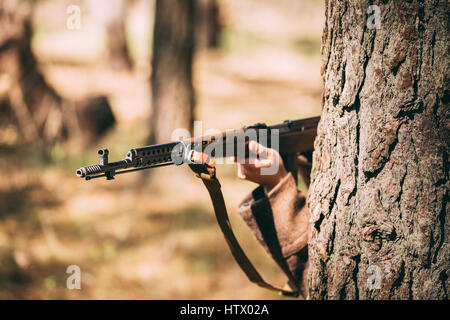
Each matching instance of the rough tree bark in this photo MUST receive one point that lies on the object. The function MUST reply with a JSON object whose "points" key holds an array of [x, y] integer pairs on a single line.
{"points": [[380, 171], [173, 48]]}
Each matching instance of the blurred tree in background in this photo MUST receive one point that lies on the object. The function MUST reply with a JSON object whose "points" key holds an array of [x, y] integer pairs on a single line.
{"points": [[114, 20], [208, 25], [27, 101], [173, 49], [180, 28], [32, 111]]}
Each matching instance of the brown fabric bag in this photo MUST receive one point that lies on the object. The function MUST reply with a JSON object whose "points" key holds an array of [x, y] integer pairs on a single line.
{"points": [[280, 221]]}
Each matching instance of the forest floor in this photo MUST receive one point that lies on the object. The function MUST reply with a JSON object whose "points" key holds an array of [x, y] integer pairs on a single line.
{"points": [[150, 236]]}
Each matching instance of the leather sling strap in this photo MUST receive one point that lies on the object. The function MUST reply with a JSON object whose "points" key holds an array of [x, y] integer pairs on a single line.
{"points": [[207, 174]]}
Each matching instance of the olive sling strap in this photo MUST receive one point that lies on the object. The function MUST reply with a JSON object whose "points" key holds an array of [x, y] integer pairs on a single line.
{"points": [[207, 174]]}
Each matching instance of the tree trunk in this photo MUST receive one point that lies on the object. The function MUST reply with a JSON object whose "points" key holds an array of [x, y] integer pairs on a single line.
{"points": [[27, 100], [117, 39], [112, 14], [172, 89], [207, 24], [380, 170], [29, 106]]}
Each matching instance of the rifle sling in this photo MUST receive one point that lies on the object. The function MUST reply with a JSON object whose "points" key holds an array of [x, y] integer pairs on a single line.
{"points": [[214, 189]]}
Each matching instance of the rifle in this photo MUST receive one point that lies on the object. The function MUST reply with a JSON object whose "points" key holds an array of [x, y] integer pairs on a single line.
{"points": [[292, 137]]}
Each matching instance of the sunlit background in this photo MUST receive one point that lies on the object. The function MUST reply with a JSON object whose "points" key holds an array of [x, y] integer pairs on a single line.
{"points": [[142, 236]]}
